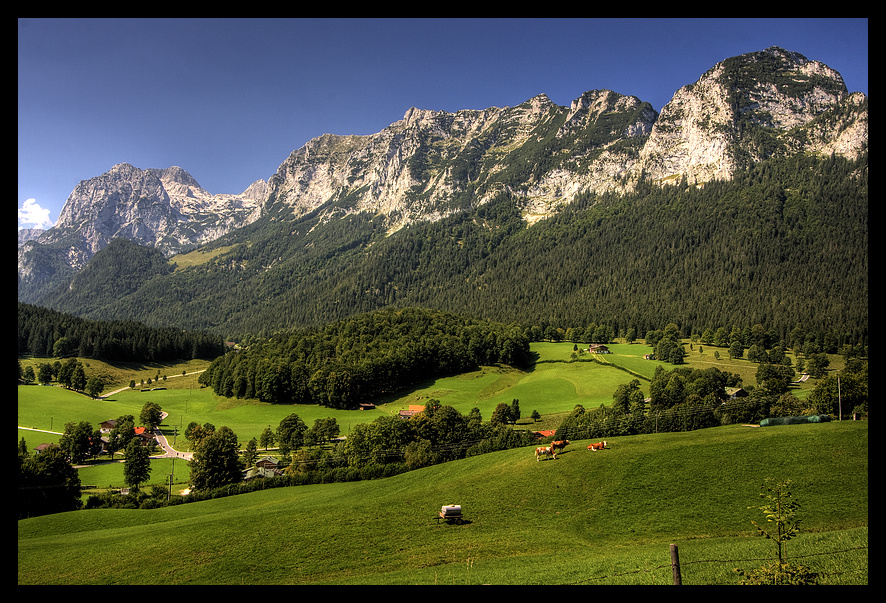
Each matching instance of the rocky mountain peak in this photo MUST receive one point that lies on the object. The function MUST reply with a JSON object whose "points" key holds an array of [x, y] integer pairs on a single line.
{"points": [[747, 108], [163, 208]]}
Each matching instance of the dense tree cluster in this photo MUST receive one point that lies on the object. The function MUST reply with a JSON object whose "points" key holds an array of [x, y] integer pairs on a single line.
{"points": [[45, 332], [45, 483], [352, 361]]}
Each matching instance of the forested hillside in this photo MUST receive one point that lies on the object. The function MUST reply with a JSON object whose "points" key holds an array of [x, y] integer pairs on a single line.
{"points": [[784, 244], [45, 332], [355, 360]]}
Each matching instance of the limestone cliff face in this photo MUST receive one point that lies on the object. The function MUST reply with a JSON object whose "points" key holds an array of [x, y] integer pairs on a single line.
{"points": [[751, 107], [423, 166]]}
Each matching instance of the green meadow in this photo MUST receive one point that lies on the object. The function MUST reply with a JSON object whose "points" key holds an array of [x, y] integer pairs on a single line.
{"points": [[585, 518], [552, 386]]}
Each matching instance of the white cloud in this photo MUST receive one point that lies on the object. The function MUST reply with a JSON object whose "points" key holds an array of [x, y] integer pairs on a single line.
{"points": [[31, 215]]}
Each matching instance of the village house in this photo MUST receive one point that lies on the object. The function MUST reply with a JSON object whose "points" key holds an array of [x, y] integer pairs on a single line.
{"points": [[413, 410], [44, 447], [265, 467]]}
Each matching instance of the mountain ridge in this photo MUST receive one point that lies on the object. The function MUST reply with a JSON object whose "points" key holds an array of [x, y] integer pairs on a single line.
{"points": [[434, 165]]}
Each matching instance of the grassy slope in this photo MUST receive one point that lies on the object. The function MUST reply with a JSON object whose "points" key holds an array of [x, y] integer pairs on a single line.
{"points": [[582, 517]]}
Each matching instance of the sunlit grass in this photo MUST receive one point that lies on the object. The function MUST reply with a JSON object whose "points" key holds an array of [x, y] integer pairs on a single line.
{"points": [[584, 518]]}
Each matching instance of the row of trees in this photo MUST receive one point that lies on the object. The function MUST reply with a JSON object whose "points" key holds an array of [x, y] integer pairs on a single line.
{"points": [[352, 361], [48, 482], [70, 374]]}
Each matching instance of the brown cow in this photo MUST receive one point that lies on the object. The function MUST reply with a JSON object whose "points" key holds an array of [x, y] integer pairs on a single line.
{"points": [[559, 444], [597, 446], [546, 451]]}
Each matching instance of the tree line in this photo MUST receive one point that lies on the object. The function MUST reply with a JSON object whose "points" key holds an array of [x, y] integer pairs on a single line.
{"points": [[352, 361], [44, 332], [686, 399]]}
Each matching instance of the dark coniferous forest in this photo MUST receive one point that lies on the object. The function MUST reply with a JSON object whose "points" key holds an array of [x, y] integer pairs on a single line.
{"points": [[44, 332]]}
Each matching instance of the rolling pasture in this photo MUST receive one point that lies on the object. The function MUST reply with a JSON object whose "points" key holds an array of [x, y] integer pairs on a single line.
{"points": [[553, 386], [585, 518]]}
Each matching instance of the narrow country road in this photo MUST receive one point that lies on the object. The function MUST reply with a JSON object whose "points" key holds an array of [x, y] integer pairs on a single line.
{"points": [[169, 451]]}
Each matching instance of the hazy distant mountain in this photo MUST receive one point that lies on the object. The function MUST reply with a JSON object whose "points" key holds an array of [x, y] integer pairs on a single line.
{"points": [[432, 165]]}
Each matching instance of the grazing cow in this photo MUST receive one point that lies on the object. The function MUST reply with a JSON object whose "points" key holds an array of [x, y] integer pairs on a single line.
{"points": [[597, 446], [559, 444], [546, 451]]}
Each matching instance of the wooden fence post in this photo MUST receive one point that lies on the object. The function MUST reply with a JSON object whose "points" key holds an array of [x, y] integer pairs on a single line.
{"points": [[675, 565]]}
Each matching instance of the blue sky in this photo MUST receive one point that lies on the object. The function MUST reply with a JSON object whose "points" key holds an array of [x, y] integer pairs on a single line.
{"points": [[229, 99]]}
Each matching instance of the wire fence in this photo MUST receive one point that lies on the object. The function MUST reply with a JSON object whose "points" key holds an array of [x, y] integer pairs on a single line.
{"points": [[731, 562]]}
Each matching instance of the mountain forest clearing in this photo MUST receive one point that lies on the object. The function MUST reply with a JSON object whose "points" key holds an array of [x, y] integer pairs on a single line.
{"points": [[585, 518], [606, 515]]}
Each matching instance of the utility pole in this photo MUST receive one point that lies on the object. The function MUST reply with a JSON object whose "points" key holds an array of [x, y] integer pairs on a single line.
{"points": [[839, 398], [171, 476]]}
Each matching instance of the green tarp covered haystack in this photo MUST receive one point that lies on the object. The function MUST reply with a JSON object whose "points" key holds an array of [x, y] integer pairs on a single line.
{"points": [[795, 420]]}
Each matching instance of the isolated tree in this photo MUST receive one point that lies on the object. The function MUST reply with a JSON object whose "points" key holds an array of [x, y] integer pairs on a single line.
{"points": [[151, 415], [782, 525], [66, 372], [75, 442], [137, 467], [45, 374], [501, 414], [323, 430], [755, 354], [515, 410], [216, 461], [677, 354], [775, 378], [817, 364], [290, 433], [78, 378], [251, 453], [736, 350], [267, 437], [95, 386]]}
